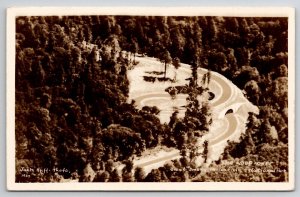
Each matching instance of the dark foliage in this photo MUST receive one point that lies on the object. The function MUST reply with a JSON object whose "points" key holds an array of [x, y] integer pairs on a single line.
{"points": [[72, 88]]}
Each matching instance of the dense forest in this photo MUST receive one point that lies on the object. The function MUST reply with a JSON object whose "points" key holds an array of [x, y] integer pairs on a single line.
{"points": [[72, 113]]}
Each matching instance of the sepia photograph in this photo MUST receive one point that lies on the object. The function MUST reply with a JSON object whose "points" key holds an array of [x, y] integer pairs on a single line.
{"points": [[182, 98]]}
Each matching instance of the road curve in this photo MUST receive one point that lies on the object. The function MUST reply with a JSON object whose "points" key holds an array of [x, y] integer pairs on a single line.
{"points": [[232, 120], [233, 123], [227, 92]]}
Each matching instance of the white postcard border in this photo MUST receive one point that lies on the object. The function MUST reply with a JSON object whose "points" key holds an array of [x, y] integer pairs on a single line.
{"points": [[176, 11]]}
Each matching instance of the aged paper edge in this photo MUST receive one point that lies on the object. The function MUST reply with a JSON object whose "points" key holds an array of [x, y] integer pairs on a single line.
{"points": [[175, 11]]}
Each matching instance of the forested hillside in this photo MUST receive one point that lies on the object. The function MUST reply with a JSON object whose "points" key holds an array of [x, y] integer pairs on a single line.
{"points": [[72, 89]]}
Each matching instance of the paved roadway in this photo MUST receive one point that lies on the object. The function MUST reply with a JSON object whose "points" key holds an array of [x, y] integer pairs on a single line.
{"points": [[227, 92]]}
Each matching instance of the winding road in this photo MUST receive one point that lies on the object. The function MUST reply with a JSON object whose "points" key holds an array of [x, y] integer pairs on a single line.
{"points": [[222, 88], [232, 120]]}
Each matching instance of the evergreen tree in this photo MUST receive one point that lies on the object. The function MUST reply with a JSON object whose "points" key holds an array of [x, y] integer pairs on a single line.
{"points": [[115, 177], [139, 174], [166, 59]]}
